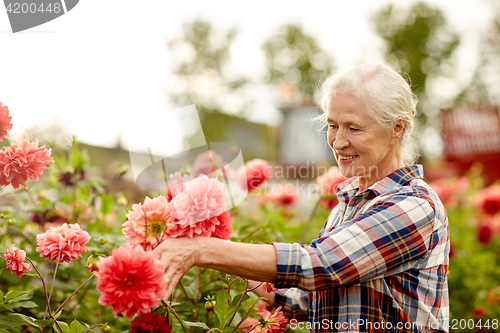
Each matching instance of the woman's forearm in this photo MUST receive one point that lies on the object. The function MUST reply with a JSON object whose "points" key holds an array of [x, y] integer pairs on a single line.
{"points": [[252, 261]]}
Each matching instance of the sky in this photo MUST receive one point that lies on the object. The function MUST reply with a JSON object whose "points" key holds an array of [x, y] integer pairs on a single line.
{"points": [[103, 70]]}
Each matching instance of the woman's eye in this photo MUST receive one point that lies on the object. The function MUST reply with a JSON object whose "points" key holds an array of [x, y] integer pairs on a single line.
{"points": [[333, 126], [354, 129]]}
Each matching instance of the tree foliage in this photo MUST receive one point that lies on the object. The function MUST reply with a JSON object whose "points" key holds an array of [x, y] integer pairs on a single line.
{"points": [[201, 70], [484, 87], [418, 42], [295, 59]]}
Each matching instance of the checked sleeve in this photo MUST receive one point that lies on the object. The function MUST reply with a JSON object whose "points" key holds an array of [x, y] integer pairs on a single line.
{"points": [[388, 236]]}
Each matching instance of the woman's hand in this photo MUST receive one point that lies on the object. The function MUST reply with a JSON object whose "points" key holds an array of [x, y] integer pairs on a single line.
{"points": [[257, 262], [178, 255]]}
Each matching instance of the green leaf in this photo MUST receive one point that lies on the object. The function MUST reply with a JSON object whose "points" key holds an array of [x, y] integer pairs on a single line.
{"points": [[27, 320], [13, 294], [32, 275], [43, 322], [107, 203], [184, 306], [197, 324], [16, 296], [223, 279], [1, 295], [11, 320], [3, 331], [76, 327], [63, 325], [236, 300], [7, 306], [223, 309], [24, 304], [13, 330]]}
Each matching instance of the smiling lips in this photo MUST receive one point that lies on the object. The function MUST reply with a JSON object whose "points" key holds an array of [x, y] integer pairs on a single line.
{"points": [[347, 158]]}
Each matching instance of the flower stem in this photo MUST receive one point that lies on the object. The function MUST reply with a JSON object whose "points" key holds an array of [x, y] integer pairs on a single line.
{"points": [[309, 221], [175, 314], [248, 312], [67, 299], [239, 302], [53, 280], [91, 328], [45, 292]]}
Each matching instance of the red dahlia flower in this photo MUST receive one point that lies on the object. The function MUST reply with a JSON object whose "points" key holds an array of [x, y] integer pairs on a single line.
{"points": [[327, 185], [5, 124], [253, 174], [22, 160], [484, 234], [224, 229], [149, 323], [268, 287], [489, 200], [131, 281], [15, 260]]}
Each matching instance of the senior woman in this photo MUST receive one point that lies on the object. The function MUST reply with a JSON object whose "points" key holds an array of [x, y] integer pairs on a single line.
{"points": [[381, 260]]}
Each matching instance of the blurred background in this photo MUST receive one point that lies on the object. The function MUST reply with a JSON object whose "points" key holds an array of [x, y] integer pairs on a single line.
{"points": [[111, 73]]}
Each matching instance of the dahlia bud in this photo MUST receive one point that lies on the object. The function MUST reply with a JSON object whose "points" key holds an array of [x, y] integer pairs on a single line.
{"points": [[92, 262], [209, 306], [122, 169], [105, 328], [103, 240]]}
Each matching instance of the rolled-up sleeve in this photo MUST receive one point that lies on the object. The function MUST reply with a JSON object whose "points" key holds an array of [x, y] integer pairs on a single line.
{"points": [[293, 302], [394, 230]]}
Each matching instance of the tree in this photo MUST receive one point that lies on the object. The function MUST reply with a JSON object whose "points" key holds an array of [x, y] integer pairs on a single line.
{"points": [[202, 70], [203, 78], [484, 87], [418, 42], [295, 62]]}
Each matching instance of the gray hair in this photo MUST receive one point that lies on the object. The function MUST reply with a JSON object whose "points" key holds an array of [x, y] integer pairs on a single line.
{"points": [[384, 92]]}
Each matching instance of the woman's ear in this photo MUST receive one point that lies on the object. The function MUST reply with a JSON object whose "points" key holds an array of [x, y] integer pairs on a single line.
{"points": [[398, 129]]}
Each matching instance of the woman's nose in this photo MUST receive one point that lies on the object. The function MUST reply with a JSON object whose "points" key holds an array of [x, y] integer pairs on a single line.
{"points": [[340, 140]]}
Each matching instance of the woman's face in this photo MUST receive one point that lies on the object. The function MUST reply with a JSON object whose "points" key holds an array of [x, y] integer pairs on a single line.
{"points": [[360, 145]]}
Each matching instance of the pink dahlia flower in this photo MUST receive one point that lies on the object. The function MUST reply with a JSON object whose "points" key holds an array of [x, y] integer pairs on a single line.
{"points": [[327, 185], [203, 164], [69, 240], [263, 308], [131, 281], [224, 229], [15, 260], [149, 223], [270, 323], [176, 184], [149, 323], [23, 160], [198, 205], [5, 124], [249, 325], [253, 174]]}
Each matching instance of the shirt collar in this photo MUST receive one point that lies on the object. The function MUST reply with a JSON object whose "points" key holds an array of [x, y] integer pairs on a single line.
{"points": [[395, 179]]}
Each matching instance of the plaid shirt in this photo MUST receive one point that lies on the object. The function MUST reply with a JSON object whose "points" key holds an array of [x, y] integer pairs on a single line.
{"points": [[379, 264]]}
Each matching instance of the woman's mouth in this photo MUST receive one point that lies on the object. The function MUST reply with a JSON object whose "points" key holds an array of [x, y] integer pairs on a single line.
{"points": [[346, 159]]}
